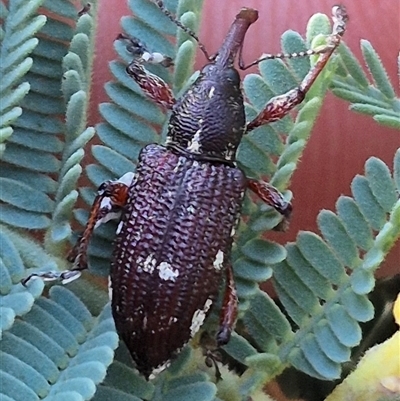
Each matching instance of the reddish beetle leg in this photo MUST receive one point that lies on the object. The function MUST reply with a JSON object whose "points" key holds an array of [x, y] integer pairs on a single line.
{"points": [[152, 85], [281, 105], [229, 311], [271, 196], [110, 199]]}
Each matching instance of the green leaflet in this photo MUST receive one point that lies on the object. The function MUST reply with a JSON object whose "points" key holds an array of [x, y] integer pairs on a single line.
{"points": [[34, 153], [120, 164], [322, 285], [104, 393], [318, 359], [335, 234], [124, 122], [367, 203], [381, 183], [62, 347], [194, 391], [239, 348], [22, 196], [377, 99], [336, 352], [134, 103]]}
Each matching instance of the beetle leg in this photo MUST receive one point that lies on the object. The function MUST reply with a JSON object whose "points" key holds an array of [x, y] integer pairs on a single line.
{"points": [[229, 310], [212, 359], [110, 199], [152, 85], [271, 196], [138, 49], [281, 105]]}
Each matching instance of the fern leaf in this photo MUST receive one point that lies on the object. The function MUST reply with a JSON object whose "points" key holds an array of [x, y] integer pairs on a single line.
{"points": [[32, 158], [21, 24], [324, 281], [19, 254], [56, 349], [75, 88], [378, 98]]}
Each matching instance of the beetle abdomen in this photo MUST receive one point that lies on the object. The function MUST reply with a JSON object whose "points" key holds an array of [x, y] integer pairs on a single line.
{"points": [[173, 242]]}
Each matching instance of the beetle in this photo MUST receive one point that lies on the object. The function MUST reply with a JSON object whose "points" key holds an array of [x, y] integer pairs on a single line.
{"points": [[178, 212]]}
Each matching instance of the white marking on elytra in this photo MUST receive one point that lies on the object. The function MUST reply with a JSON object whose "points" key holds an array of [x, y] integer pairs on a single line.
{"points": [[159, 369], [191, 209], [119, 228], [171, 320], [194, 145], [144, 322], [211, 93], [198, 317], [148, 265], [233, 231], [166, 272], [109, 286], [219, 260]]}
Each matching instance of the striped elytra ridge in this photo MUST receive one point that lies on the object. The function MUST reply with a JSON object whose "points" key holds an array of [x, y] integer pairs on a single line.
{"points": [[173, 238]]}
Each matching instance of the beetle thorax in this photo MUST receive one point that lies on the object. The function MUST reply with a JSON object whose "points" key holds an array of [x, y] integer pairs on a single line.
{"points": [[208, 122]]}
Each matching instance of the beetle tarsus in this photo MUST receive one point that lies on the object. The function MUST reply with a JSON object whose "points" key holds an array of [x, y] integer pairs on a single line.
{"points": [[211, 360], [65, 276], [142, 55]]}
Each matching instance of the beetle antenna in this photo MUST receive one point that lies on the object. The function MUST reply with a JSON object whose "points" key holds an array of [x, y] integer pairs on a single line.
{"points": [[184, 28], [339, 17]]}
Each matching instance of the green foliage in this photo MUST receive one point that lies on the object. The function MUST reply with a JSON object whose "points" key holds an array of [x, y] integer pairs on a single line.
{"points": [[57, 350], [61, 346], [377, 99]]}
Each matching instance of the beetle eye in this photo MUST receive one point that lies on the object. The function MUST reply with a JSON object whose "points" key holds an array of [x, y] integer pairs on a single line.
{"points": [[232, 75]]}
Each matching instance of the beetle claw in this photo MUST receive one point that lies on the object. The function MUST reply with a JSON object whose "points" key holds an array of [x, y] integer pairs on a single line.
{"points": [[211, 359], [65, 276]]}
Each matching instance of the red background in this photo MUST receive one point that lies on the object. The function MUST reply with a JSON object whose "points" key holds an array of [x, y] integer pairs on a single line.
{"points": [[341, 141]]}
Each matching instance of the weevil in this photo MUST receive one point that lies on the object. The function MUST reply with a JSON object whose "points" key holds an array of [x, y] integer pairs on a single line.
{"points": [[178, 212]]}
